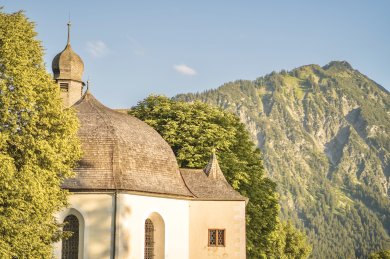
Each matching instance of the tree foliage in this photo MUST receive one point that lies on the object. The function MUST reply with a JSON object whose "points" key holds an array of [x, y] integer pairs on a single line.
{"points": [[193, 131], [380, 255], [288, 243], [38, 144]]}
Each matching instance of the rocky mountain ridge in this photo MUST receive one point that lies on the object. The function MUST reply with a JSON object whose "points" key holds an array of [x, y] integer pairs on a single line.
{"points": [[325, 137]]}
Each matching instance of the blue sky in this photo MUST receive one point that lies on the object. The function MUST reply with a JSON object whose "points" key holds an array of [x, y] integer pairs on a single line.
{"points": [[135, 48]]}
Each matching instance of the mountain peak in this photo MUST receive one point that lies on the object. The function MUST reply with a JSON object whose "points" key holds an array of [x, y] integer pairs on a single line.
{"points": [[324, 136], [340, 65]]}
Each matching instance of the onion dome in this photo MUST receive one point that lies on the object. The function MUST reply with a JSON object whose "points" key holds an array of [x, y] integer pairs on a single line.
{"points": [[67, 64], [121, 152]]}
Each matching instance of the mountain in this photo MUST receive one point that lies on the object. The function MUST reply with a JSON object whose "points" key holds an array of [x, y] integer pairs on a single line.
{"points": [[325, 137]]}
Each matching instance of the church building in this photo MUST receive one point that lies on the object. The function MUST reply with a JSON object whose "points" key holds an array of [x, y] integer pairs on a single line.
{"points": [[129, 198]]}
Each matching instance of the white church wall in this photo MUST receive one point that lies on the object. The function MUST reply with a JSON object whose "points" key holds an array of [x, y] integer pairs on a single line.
{"points": [[167, 214], [94, 212], [181, 226], [228, 215]]}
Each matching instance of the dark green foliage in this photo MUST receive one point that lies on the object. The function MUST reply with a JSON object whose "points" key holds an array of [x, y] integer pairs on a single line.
{"points": [[324, 135], [193, 131], [38, 144]]}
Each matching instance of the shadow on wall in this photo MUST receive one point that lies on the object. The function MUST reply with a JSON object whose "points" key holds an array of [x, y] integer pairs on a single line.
{"points": [[123, 237], [94, 212]]}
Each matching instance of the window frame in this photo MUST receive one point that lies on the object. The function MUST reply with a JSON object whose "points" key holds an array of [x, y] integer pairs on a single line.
{"points": [[149, 236], [64, 87], [68, 245], [216, 237]]}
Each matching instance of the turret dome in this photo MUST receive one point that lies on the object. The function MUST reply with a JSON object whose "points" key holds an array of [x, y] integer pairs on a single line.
{"points": [[67, 64]]}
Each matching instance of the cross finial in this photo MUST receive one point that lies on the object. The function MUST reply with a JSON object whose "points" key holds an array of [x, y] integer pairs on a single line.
{"points": [[69, 24]]}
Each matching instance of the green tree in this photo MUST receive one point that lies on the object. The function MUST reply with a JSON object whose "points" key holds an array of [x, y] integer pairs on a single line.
{"points": [[193, 130], [380, 255], [38, 144], [288, 243]]}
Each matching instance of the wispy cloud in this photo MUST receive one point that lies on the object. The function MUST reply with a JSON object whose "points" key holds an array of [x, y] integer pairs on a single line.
{"points": [[185, 70], [97, 48]]}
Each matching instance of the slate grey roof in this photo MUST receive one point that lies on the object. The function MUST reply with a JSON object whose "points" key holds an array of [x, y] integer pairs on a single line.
{"points": [[210, 183], [120, 152]]}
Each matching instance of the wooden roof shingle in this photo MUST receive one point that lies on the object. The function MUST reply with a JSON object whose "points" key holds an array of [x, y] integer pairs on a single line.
{"points": [[121, 152]]}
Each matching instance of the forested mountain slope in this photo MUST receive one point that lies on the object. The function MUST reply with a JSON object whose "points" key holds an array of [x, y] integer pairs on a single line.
{"points": [[325, 137]]}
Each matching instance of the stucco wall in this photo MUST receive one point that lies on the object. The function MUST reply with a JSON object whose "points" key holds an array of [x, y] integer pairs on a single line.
{"points": [[170, 217], [228, 215], [73, 94], [96, 211], [133, 210], [181, 226]]}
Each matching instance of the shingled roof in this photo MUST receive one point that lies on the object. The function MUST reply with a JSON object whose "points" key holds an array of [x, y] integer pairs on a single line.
{"points": [[120, 152], [210, 183]]}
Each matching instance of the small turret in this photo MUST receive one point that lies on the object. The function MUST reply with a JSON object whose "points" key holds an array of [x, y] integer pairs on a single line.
{"points": [[68, 70], [212, 169]]}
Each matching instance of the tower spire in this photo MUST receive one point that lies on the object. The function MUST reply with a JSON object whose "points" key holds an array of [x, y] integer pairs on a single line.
{"points": [[212, 169], [68, 70], [69, 24]]}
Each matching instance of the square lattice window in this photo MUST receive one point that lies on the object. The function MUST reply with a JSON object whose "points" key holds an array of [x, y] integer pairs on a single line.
{"points": [[221, 237], [216, 237]]}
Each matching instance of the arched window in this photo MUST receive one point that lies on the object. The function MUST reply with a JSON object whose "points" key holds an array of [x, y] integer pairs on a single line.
{"points": [[70, 247], [149, 239]]}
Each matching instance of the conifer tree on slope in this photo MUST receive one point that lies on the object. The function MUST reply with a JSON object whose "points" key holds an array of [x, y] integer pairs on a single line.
{"points": [[38, 144]]}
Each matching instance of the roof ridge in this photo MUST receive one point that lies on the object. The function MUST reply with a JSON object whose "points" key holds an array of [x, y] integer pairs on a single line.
{"points": [[111, 126], [188, 188]]}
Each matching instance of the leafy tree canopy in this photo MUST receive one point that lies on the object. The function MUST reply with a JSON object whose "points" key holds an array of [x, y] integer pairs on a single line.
{"points": [[193, 130], [380, 255], [38, 144], [288, 243]]}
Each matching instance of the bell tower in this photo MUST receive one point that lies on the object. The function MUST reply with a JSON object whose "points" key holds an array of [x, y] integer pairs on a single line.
{"points": [[68, 70]]}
